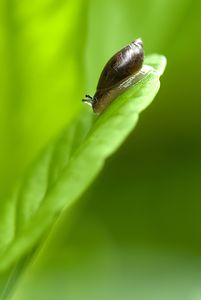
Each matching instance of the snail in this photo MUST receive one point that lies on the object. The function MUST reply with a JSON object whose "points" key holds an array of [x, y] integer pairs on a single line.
{"points": [[121, 71]]}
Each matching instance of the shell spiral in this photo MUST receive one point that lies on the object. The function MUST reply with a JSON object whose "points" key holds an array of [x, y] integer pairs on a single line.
{"points": [[128, 61], [121, 67]]}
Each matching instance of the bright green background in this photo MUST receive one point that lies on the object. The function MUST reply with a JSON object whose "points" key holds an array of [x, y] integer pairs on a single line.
{"points": [[136, 234]]}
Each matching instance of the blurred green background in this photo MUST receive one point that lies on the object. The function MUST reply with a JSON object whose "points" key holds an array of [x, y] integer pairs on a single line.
{"points": [[136, 233]]}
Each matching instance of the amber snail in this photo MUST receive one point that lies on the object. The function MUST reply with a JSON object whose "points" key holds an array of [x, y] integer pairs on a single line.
{"points": [[120, 72]]}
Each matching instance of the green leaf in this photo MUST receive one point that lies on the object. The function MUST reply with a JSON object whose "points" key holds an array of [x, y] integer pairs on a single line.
{"points": [[68, 166]]}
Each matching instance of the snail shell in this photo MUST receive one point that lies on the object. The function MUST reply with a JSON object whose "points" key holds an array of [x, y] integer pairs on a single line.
{"points": [[118, 74]]}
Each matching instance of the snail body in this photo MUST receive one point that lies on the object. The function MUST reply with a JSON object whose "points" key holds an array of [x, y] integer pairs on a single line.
{"points": [[118, 74]]}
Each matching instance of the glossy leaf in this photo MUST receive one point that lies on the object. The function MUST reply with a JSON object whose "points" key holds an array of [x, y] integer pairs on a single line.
{"points": [[68, 165]]}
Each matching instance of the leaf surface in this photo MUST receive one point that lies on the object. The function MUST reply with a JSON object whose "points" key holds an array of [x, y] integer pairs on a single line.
{"points": [[68, 165]]}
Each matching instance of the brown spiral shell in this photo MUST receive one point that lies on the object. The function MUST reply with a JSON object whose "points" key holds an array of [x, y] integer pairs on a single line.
{"points": [[117, 75]]}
